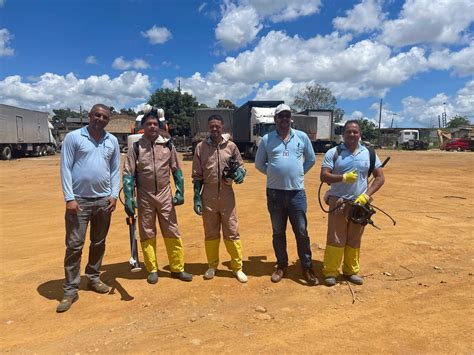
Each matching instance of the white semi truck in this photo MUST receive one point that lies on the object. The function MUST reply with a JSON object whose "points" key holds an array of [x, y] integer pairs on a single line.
{"points": [[251, 122], [24, 131], [409, 139]]}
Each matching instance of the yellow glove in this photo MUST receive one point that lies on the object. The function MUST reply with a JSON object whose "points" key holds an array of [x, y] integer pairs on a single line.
{"points": [[362, 199], [350, 178]]}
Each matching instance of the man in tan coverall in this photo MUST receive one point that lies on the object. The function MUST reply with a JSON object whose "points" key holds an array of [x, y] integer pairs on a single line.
{"points": [[214, 173], [150, 170]]}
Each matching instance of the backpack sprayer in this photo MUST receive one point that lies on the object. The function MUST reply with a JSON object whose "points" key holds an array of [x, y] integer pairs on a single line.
{"points": [[359, 214]]}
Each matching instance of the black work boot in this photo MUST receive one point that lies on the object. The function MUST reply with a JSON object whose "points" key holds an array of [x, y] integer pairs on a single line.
{"points": [[183, 276]]}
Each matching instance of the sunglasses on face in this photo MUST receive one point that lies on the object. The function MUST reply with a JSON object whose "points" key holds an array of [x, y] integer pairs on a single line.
{"points": [[284, 115]]}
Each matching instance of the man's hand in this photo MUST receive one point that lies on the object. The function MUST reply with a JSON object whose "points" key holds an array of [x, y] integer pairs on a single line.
{"points": [[178, 199], [72, 207], [112, 204], [350, 178], [239, 176], [362, 199], [197, 204]]}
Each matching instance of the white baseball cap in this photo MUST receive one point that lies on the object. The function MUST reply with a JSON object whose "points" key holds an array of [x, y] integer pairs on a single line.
{"points": [[281, 108]]}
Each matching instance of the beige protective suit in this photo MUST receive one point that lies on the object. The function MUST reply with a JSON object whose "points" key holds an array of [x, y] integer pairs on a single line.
{"points": [[218, 201], [154, 199]]}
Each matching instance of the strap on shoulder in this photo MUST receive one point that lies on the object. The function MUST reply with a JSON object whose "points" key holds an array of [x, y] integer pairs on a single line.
{"points": [[336, 153], [372, 161]]}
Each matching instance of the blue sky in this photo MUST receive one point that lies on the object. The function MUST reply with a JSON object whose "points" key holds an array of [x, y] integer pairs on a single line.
{"points": [[417, 55]]}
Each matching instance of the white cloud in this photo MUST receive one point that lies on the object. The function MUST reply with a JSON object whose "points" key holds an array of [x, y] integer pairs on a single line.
{"points": [[239, 26], [210, 89], [121, 64], [464, 101], [285, 90], [157, 35], [425, 112], [352, 71], [53, 91], [91, 60], [284, 10], [427, 21], [5, 38], [363, 17], [202, 6], [242, 20]]}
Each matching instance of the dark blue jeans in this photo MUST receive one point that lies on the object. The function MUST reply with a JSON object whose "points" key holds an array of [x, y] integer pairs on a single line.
{"points": [[93, 211], [283, 204]]}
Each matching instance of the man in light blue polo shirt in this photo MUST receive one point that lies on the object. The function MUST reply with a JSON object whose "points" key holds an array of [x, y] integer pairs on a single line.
{"points": [[285, 155], [90, 177], [346, 169]]}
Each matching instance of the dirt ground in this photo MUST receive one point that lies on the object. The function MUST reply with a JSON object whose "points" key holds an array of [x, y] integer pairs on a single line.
{"points": [[417, 296]]}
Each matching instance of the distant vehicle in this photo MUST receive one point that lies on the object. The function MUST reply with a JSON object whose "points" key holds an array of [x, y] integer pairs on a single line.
{"points": [[251, 122], [24, 131], [409, 139], [459, 144], [320, 127]]}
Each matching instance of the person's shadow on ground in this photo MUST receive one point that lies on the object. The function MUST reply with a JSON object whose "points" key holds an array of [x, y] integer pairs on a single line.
{"points": [[255, 266], [53, 289]]}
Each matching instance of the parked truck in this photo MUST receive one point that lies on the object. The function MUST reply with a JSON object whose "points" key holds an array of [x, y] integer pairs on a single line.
{"points": [[251, 122], [24, 131], [320, 128], [409, 139]]}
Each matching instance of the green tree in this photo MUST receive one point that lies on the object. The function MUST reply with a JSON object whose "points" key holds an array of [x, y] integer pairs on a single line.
{"points": [[226, 104], [179, 109], [368, 130], [338, 114], [315, 97], [60, 116], [318, 97], [128, 112], [458, 121]]}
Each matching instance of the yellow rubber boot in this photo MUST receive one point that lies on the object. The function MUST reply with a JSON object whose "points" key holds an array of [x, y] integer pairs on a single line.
{"points": [[149, 254], [351, 261], [332, 260], [234, 248], [174, 248], [212, 252]]}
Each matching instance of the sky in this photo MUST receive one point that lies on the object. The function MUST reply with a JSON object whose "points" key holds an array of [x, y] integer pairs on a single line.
{"points": [[415, 55]]}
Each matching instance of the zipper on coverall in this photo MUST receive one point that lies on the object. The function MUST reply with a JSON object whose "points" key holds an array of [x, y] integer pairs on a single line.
{"points": [[218, 172], [154, 167]]}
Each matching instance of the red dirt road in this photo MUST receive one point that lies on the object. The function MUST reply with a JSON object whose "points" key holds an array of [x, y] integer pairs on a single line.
{"points": [[417, 296]]}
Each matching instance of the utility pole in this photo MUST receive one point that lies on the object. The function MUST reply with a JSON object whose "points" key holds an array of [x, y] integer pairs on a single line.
{"points": [[393, 115], [380, 121], [444, 115], [80, 113]]}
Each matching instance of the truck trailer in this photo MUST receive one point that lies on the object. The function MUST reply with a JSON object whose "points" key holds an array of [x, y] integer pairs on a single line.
{"points": [[251, 122], [320, 128], [24, 131]]}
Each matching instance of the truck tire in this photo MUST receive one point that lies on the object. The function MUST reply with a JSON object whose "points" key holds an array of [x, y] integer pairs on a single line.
{"points": [[43, 150], [6, 153]]}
